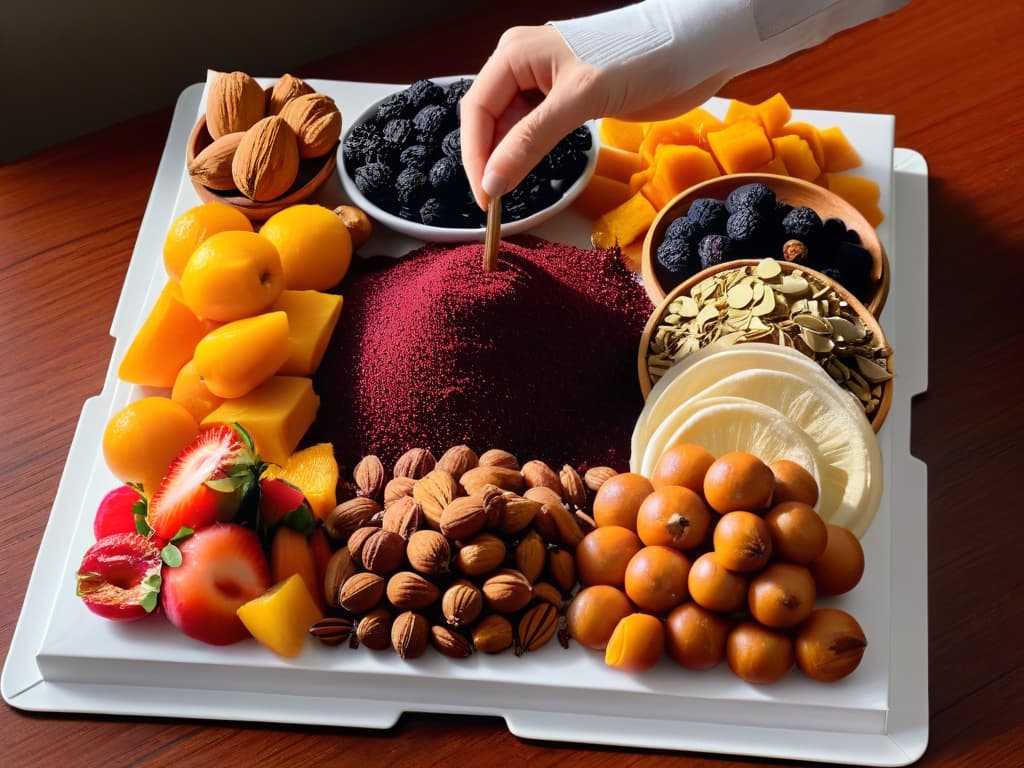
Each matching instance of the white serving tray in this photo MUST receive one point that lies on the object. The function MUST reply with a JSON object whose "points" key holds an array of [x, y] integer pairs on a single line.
{"points": [[64, 659]]}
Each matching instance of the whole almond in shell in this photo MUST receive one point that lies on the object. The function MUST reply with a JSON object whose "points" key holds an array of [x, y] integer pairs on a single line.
{"points": [[316, 121], [285, 89], [562, 569], [543, 590], [266, 162], [538, 474], [212, 166], [507, 591], [362, 592], [403, 516], [595, 477], [348, 516], [435, 491], [369, 477], [428, 552], [568, 529], [235, 102], [458, 460], [409, 591], [449, 642], [339, 568], [496, 457], [574, 492], [414, 463], [410, 634], [462, 603], [517, 513], [374, 629], [536, 627], [356, 541], [507, 479], [492, 634], [530, 555], [383, 552], [463, 518], [397, 488], [481, 554]]}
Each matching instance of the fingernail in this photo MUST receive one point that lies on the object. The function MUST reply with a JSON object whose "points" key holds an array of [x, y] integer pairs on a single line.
{"points": [[493, 185]]}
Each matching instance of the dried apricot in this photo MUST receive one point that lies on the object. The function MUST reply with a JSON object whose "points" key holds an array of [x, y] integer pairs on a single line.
{"points": [[684, 464], [695, 637], [602, 555], [618, 500], [674, 516], [593, 614], [656, 578], [738, 481], [636, 644], [829, 645]]}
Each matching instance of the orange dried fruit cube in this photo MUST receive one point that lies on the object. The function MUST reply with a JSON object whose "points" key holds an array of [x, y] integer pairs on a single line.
{"points": [[291, 554], [190, 391], [863, 194], [164, 343], [616, 163], [624, 223], [638, 179], [797, 156], [811, 135], [314, 471], [741, 147], [674, 131], [703, 123], [676, 168], [312, 317], [601, 195], [742, 112], [622, 134], [839, 152], [775, 112], [277, 414], [776, 165], [280, 618]]}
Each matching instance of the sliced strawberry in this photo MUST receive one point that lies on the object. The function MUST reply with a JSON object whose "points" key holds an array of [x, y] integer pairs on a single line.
{"points": [[206, 482], [119, 577], [283, 503], [117, 510], [222, 567]]}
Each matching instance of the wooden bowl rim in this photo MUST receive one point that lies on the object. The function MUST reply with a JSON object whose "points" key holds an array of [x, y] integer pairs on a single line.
{"points": [[866, 317], [259, 210], [854, 219]]}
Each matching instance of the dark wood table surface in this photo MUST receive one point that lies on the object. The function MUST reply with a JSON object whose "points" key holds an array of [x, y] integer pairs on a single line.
{"points": [[951, 74]]}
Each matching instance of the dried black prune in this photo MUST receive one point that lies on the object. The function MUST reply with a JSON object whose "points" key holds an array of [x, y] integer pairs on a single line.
{"points": [[398, 132], [376, 181], [411, 188], [451, 145]]}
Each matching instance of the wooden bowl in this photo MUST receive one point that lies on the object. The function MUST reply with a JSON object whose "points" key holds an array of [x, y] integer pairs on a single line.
{"points": [[313, 173], [869, 320], [795, 192]]}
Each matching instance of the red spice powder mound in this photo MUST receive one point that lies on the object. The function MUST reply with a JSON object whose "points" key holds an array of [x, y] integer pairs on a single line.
{"points": [[537, 357]]}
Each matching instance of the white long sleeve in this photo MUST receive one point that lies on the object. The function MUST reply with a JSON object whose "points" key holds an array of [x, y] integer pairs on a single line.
{"points": [[670, 46]]}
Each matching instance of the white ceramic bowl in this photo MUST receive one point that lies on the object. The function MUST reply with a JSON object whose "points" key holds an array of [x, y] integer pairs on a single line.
{"points": [[457, 234]]}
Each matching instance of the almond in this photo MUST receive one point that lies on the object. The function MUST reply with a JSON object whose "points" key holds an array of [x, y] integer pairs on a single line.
{"points": [[234, 103], [410, 633], [339, 568], [428, 552], [496, 457], [562, 569], [403, 516], [212, 166], [462, 603], [266, 162], [463, 518], [538, 474], [449, 642], [369, 477], [595, 476], [383, 552], [409, 591], [542, 590], [349, 515], [374, 629], [574, 492], [536, 627], [434, 491], [517, 513], [397, 488], [493, 634], [507, 479], [507, 591], [530, 555], [414, 463], [362, 592], [285, 89], [316, 121], [458, 460], [480, 555]]}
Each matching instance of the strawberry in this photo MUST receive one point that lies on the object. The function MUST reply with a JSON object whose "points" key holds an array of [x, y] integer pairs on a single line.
{"points": [[222, 567], [119, 577], [282, 503], [117, 510], [206, 482]]}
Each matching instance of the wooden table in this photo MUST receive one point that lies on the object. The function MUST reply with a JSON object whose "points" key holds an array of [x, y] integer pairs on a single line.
{"points": [[947, 70]]}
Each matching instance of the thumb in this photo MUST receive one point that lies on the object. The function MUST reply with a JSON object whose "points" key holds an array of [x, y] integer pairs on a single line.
{"points": [[528, 140]]}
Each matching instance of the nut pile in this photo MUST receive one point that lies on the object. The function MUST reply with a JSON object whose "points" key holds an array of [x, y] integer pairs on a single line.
{"points": [[764, 303], [465, 553], [260, 139]]}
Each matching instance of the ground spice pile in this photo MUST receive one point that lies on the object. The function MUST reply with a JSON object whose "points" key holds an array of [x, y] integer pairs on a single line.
{"points": [[537, 357]]}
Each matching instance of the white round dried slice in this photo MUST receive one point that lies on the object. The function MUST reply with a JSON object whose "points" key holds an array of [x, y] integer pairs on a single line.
{"points": [[745, 426]]}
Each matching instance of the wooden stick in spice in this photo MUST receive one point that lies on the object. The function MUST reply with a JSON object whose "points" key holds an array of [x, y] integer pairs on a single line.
{"points": [[492, 239]]}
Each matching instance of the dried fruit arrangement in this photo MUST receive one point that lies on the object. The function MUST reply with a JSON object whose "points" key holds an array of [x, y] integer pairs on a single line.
{"points": [[259, 139]]}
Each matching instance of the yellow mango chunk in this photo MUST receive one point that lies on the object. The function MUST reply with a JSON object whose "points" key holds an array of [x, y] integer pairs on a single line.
{"points": [[616, 163], [863, 194], [674, 131], [776, 166], [164, 343], [742, 112], [190, 391], [312, 317], [314, 471], [624, 223], [601, 195], [277, 414], [291, 553], [622, 134], [775, 112], [676, 168], [741, 147], [238, 356], [638, 179], [839, 152], [811, 135], [703, 123], [797, 156], [280, 618]]}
